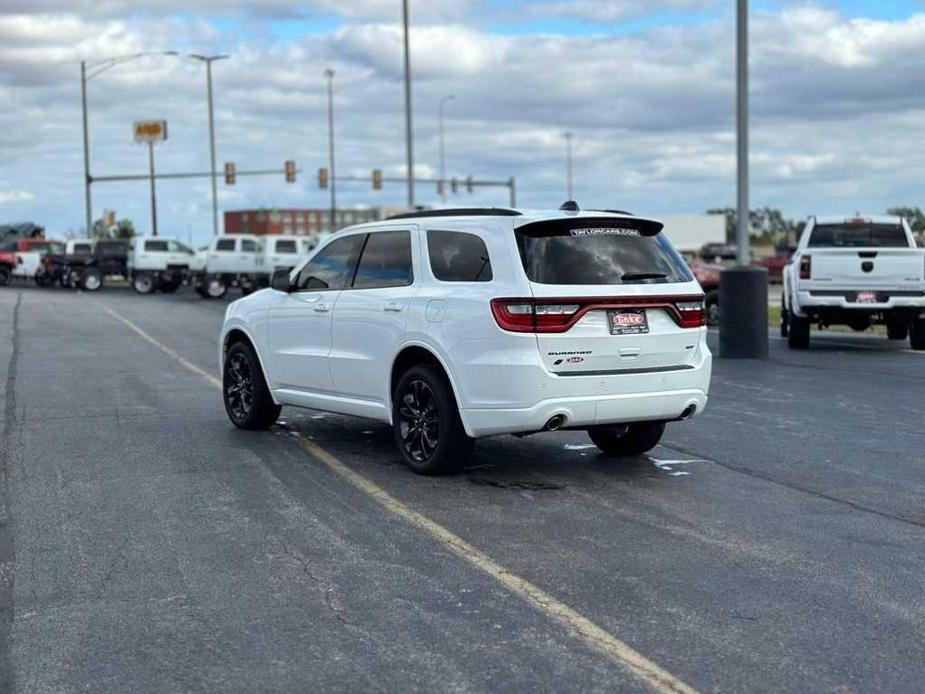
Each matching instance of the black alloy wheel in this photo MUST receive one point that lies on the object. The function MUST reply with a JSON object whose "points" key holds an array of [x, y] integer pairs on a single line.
{"points": [[239, 387], [418, 421]]}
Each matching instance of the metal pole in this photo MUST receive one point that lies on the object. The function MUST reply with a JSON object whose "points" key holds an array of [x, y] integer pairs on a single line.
{"points": [[568, 166], [512, 185], [83, 103], [211, 151], [153, 197], [408, 129], [742, 213], [330, 75], [443, 102]]}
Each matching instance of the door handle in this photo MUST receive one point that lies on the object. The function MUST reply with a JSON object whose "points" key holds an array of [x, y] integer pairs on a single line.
{"points": [[321, 308], [393, 306]]}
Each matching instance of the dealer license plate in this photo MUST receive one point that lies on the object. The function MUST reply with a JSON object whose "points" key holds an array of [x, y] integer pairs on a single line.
{"points": [[628, 322]]}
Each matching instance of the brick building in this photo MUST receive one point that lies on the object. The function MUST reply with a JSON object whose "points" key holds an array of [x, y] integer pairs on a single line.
{"points": [[299, 222]]}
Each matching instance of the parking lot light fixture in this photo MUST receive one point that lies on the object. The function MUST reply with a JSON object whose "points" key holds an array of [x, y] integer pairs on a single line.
{"points": [[208, 60]]}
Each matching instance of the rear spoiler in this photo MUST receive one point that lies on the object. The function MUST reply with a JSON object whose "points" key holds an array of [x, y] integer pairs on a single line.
{"points": [[592, 226]]}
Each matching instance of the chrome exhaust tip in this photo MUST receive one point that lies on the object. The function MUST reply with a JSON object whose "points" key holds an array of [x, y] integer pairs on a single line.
{"points": [[555, 422], [688, 413]]}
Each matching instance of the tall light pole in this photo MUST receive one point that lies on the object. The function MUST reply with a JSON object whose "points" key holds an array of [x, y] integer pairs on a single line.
{"points": [[87, 72], [568, 166], [443, 102], [409, 146], [743, 290], [208, 60], [329, 73]]}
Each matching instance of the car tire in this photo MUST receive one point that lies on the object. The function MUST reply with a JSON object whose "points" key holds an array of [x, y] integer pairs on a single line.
{"points": [[917, 335], [247, 399], [44, 279], [627, 439], [711, 303], [214, 287], [784, 319], [798, 332], [897, 331], [6, 276], [428, 431], [144, 283], [91, 280]]}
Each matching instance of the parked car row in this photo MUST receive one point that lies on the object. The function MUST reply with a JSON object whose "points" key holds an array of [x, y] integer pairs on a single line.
{"points": [[155, 264]]}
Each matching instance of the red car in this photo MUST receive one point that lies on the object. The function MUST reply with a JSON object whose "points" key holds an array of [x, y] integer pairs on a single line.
{"points": [[708, 276], [8, 262]]}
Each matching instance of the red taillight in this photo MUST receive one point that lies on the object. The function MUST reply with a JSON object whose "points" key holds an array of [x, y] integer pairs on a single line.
{"points": [[559, 315], [806, 267]]}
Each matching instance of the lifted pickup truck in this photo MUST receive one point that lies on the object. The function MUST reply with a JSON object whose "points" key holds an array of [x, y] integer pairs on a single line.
{"points": [[858, 272]]}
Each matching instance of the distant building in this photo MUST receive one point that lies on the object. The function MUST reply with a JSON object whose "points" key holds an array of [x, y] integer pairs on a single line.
{"points": [[298, 222]]}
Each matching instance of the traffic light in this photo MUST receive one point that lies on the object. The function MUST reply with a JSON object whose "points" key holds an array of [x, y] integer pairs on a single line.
{"points": [[229, 173], [454, 185], [377, 179], [322, 177], [290, 171], [469, 184]]}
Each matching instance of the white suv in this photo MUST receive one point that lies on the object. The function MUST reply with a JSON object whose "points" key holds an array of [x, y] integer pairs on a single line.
{"points": [[457, 324]]}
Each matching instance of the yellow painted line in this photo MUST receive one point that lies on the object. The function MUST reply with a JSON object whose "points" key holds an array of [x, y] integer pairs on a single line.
{"points": [[640, 667], [164, 348]]}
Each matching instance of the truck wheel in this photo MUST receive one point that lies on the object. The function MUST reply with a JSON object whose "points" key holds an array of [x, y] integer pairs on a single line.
{"points": [[91, 279], [143, 284], [784, 319], [798, 332], [244, 390], [627, 439], [44, 278], [711, 302], [917, 335], [425, 420], [214, 287], [6, 276], [897, 331]]}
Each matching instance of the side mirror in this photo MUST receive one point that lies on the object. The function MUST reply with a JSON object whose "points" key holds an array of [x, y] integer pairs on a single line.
{"points": [[280, 281]]}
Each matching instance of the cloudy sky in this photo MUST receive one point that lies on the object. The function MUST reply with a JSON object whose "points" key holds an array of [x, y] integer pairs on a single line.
{"points": [[647, 88]]}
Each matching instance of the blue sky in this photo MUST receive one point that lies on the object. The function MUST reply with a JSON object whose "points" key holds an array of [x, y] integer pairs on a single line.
{"points": [[838, 112]]}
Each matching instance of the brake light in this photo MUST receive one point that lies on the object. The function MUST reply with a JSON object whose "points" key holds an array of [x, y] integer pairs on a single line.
{"points": [[806, 267], [559, 315]]}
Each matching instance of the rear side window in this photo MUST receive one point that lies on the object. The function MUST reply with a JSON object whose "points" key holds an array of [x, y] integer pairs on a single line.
{"points": [[332, 267], [456, 256], [386, 261], [224, 245], [82, 249], [156, 246], [285, 246], [599, 251], [248, 246], [855, 235]]}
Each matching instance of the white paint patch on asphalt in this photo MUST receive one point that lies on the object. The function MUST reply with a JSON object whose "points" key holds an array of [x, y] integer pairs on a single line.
{"points": [[668, 466], [578, 446]]}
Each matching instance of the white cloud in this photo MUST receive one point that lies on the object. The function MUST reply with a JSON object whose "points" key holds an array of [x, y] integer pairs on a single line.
{"points": [[615, 10], [8, 197]]}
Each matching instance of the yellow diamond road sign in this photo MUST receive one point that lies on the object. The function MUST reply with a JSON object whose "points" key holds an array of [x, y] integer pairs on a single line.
{"points": [[150, 130]]}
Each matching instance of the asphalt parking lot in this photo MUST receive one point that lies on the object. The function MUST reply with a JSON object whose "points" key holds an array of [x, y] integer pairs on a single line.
{"points": [[775, 543]]}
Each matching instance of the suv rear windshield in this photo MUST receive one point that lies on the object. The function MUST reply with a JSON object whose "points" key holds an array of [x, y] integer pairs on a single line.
{"points": [[598, 251], [855, 235]]}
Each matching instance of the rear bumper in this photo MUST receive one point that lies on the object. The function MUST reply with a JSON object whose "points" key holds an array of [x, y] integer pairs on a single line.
{"points": [[591, 400], [810, 300]]}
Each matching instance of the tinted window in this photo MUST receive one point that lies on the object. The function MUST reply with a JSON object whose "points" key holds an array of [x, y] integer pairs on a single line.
{"points": [[333, 265], [177, 247], [598, 251], [858, 236], [458, 257], [156, 246], [82, 249], [285, 246], [386, 261], [248, 246], [225, 245]]}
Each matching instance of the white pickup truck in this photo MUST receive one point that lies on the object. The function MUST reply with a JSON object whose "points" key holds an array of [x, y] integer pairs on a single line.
{"points": [[247, 262], [859, 272]]}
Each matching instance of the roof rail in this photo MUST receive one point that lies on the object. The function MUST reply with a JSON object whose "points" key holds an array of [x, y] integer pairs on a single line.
{"points": [[461, 212]]}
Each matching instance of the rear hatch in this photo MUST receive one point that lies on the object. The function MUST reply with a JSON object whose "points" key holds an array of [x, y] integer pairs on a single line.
{"points": [[609, 295], [859, 254]]}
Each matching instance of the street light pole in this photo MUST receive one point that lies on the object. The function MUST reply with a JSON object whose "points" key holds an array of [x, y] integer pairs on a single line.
{"points": [[330, 75], [153, 197], [83, 105], [208, 60], [409, 146], [743, 222], [443, 103], [568, 166], [95, 69]]}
